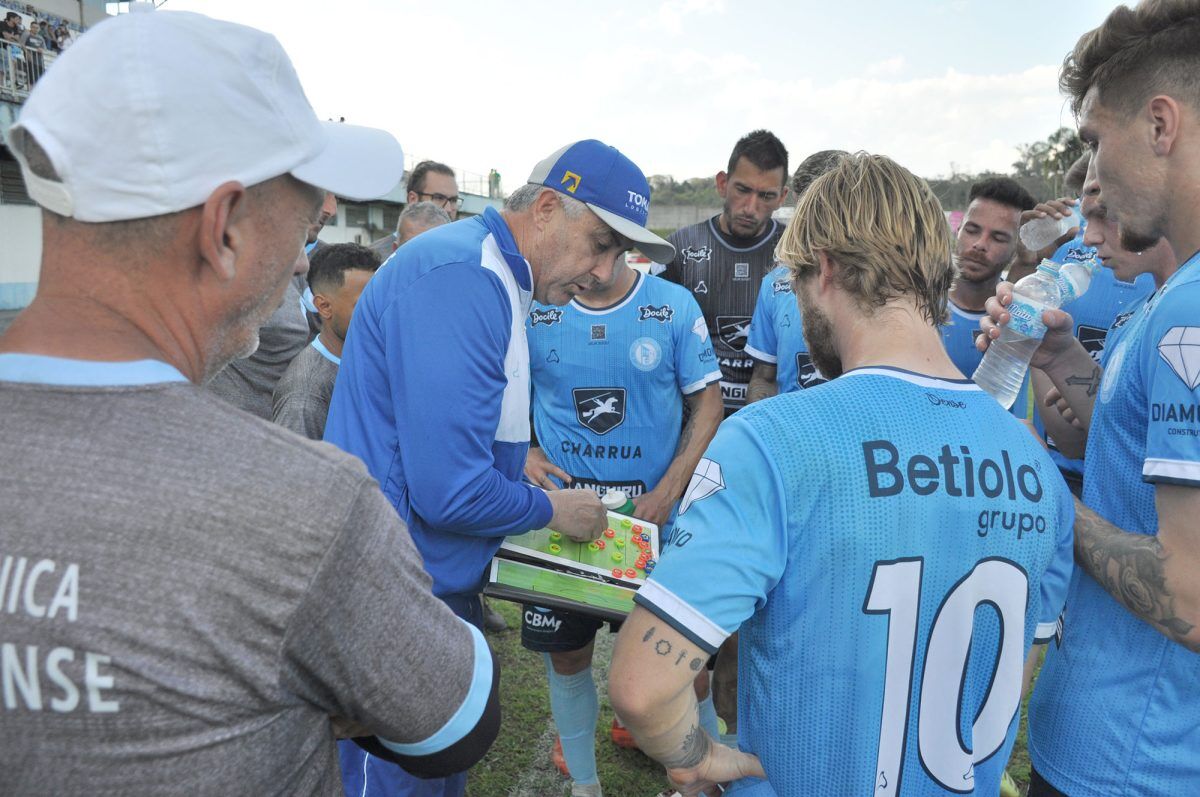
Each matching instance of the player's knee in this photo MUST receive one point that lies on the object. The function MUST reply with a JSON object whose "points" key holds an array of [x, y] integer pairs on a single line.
{"points": [[570, 662]]}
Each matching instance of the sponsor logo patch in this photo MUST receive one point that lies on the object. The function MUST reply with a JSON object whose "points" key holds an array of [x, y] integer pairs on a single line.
{"points": [[661, 314], [697, 254], [741, 272], [548, 317], [706, 480], [599, 332], [733, 330], [599, 409], [1180, 347], [807, 374]]}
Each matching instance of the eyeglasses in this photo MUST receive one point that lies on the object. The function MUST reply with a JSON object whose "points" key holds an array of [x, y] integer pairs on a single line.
{"points": [[442, 199]]}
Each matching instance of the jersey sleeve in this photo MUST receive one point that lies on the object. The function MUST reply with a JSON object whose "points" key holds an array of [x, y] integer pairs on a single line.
{"points": [[762, 344], [371, 644], [729, 545], [1056, 578], [447, 445], [695, 362], [1173, 389]]}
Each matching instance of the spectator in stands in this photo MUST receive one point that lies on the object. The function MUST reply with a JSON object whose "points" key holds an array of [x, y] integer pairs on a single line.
{"points": [[12, 30], [33, 38], [435, 182], [337, 274], [416, 219]]}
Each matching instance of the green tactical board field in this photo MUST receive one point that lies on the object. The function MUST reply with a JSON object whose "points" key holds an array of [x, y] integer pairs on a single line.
{"points": [[597, 578]]}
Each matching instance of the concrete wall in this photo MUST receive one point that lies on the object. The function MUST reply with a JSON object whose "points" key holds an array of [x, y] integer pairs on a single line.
{"points": [[672, 217], [20, 254]]}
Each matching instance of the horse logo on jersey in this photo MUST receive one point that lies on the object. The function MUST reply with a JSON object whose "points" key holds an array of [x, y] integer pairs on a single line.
{"points": [[1180, 347], [697, 254], [807, 374], [733, 330], [706, 480], [549, 316], [661, 314], [1120, 320], [1092, 339], [599, 409]]}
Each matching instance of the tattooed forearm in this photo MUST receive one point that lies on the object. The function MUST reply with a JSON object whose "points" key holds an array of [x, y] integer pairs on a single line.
{"points": [[695, 747], [1090, 382], [1131, 568]]}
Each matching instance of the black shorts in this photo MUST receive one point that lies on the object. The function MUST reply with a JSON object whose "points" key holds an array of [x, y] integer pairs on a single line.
{"points": [[555, 631]]}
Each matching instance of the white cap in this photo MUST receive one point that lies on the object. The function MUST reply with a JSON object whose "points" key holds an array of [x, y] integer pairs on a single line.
{"points": [[146, 114]]}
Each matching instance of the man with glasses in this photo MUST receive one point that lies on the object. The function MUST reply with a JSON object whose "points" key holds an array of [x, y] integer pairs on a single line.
{"points": [[434, 182]]}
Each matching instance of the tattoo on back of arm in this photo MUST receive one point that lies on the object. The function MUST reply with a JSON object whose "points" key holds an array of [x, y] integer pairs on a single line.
{"points": [[1132, 568], [695, 747]]}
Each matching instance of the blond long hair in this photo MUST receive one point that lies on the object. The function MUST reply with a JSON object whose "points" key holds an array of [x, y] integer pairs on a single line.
{"points": [[883, 227]]}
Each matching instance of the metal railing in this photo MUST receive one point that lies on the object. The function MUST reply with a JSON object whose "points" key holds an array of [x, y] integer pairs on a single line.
{"points": [[20, 68]]}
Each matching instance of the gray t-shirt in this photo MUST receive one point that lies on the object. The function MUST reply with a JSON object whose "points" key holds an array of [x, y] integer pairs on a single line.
{"points": [[187, 594], [248, 383], [302, 396]]}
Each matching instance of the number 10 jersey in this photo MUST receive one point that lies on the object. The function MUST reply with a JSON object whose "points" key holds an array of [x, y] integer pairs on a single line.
{"points": [[888, 575]]}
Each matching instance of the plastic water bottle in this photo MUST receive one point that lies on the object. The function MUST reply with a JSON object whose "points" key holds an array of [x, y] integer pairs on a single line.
{"points": [[1002, 371], [1038, 233], [1074, 278], [617, 501]]}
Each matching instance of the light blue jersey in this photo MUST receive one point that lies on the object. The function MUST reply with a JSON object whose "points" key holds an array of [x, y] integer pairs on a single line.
{"points": [[608, 383], [776, 337], [1116, 706], [958, 337], [1106, 300], [888, 578]]}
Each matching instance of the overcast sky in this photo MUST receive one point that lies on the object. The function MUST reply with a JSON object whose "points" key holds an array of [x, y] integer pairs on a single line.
{"points": [[674, 83]]}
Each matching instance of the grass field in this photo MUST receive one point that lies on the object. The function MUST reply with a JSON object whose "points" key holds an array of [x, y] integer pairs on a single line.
{"points": [[518, 765]]}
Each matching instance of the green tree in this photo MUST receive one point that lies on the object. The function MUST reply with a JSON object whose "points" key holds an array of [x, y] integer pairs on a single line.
{"points": [[1047, 161]]}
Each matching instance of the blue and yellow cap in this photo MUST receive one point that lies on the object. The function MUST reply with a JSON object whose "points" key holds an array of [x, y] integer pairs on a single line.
{"points": [[611, 185]]}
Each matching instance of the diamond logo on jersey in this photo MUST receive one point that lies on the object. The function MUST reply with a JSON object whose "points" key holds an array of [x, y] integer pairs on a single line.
{"points": [[1180, 347], [697, 254], [706, 480], [548, 316], [661, 314], [700, 329], [733, 330], [782, 285], [1092, 339], [700, 287], [599, 332], [599, 409], [807, 374], [741, 272]]}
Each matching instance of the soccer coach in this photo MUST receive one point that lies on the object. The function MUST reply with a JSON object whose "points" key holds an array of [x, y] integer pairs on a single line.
{"points": [[433, 392]]}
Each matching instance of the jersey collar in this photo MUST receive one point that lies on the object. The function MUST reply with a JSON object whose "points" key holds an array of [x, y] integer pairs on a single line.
{"points": [[913, 377], [521, 270], [40, 369]]}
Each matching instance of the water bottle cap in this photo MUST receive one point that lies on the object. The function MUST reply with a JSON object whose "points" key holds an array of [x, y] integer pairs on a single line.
{"points": [[614, 499]]}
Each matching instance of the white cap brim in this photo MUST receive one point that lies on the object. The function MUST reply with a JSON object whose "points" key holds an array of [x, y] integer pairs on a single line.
{"points": [[357, 163], [646, 242]]}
